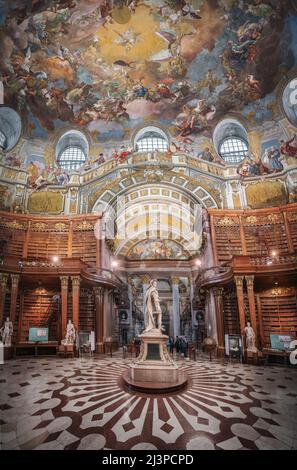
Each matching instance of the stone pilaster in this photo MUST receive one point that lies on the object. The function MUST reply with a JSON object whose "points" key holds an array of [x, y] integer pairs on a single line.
{"points": [[175, 306], [75, 300]]}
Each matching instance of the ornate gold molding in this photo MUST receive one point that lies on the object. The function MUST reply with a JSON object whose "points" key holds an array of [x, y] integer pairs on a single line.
{"points": [[83, 226], [64, 281], [98, 291], [218, 291], [3, 279], [226, 222], [75, 281], [14, 225], [175, 280], [14, 279], [239, 281], [250, 281], [145, 279]]}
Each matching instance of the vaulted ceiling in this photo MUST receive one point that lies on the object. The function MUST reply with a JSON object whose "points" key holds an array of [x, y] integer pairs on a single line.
{"points": [[111, 65]]}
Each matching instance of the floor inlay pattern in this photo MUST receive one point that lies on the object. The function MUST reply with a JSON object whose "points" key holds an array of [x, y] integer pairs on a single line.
{"points": [[50, 403]]}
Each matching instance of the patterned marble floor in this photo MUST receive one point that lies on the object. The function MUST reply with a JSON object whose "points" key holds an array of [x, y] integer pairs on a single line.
{"points": [[50, 403]]}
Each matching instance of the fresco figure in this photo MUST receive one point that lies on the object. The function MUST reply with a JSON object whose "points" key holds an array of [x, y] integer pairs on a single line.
{"points": [[289, 147]]}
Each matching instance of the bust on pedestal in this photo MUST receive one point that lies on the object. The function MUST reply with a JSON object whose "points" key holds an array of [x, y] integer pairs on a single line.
{"points": [[154, 368]]}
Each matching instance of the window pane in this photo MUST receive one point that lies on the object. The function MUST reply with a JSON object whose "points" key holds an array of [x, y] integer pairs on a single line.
{"points": [[71, 158], [151, 141], [2, 140], [233, 150]]}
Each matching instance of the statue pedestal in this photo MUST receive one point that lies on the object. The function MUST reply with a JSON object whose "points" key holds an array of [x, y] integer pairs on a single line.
{"points": [[154, 370]]}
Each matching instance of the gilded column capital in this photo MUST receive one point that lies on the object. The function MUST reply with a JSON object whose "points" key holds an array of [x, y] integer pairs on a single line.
{"points": [[64, 281], [250, 281], [3, 279], [145, 279], [98, 291], [175, 281], [130, 280], [75, 281], [14, 279], [238, 281], [218, 291]]}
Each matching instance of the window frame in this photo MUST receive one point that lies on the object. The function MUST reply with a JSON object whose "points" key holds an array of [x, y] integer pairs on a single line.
{"points": [[3, 143], [238, 154], [71, 161], [155, 142]]}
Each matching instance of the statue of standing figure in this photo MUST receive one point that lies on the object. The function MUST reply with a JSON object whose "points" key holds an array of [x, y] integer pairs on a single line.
{"points": [[6, 332], [70, 334], [152, 307], [250, 338]]}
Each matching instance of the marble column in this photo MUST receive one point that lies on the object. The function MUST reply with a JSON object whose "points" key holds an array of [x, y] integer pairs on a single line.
{"points": [[64, 304], [210, 315], [145, 280], [240, 300], [99, 318], [218, 294], [252, 305], [193, 318], [130, 297], [107, 315], [3, 287], [13, 295], [75, 300], [175, 306]]}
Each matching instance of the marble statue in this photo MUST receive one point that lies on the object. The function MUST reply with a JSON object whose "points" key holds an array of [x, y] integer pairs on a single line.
{"points": [[152, 307], [250, 338], [70, 334], [6, 332]]}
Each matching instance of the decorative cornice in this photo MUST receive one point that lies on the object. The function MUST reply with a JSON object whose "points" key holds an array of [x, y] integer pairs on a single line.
{"points": [[84, 226]]}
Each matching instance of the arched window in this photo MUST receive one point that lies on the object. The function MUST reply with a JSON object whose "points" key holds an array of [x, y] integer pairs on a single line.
{"points": [[233, 149], [72, 150], [289, 101], [71, 158], [3, 140], [230, 140], [150, 139], [10, 128]]}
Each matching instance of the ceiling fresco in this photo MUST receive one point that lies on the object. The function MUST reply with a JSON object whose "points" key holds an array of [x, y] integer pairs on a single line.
{"points": [[111, 65]]}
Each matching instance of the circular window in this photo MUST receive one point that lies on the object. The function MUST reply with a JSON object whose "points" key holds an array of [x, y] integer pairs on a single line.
{"points": [[233, 150], [290, 101], [71, 158]]}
